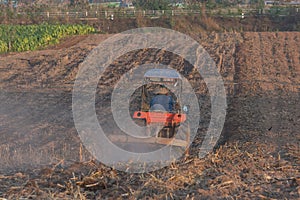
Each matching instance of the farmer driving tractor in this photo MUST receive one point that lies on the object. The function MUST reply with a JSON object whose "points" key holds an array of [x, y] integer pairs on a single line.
{"points": [[162, 101], [165, 119]]}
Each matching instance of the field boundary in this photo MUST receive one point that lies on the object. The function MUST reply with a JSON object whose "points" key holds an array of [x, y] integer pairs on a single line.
{"points": [[132, 13]]}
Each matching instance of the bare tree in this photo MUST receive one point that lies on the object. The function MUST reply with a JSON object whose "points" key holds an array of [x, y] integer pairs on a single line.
{"points": [[79, 2]]}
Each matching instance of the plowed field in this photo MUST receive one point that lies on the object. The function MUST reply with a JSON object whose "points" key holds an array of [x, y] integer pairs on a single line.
{"points": [[258, 156]]}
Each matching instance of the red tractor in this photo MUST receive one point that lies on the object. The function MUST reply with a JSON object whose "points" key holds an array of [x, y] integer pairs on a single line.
{"points": [[160, 109]]}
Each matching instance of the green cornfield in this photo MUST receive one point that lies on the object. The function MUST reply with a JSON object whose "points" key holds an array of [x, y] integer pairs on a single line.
{"points": [[18, 38]]}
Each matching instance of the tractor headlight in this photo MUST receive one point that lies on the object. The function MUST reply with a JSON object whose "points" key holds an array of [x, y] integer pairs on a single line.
{"points": [[185, 109]]}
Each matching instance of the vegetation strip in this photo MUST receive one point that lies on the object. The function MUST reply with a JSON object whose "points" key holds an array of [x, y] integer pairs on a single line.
{"points": [[20, 38]]}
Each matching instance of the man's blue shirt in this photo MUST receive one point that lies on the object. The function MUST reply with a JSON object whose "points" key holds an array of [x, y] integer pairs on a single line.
{"points": [[162, 102]]}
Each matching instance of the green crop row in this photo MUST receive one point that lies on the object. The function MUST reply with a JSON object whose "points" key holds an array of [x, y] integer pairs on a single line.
{"points": [[19, 38]]}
